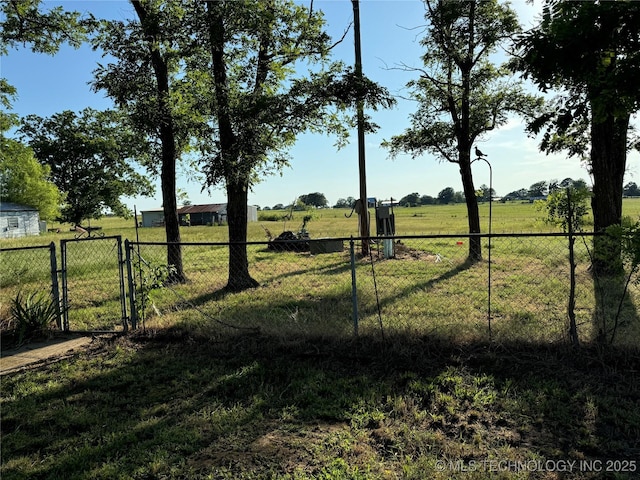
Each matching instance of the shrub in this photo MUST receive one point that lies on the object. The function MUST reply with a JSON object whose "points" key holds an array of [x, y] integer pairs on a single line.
{"points": [[34, 314]]}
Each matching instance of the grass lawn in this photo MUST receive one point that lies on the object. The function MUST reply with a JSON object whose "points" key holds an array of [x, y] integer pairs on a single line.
{"points": [[174, 406], [304, 399]]}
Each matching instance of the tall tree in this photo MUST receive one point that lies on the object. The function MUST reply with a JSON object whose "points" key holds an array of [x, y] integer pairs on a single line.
{"points": [[91, 160], [462, 96], [260, 105], [590, 50], [146, 85]]}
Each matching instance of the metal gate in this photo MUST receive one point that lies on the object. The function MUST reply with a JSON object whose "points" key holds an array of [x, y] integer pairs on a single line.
{"points": [[93, 285]]}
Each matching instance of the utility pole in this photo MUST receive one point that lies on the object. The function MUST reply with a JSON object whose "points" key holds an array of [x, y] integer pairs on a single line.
{"points": [[363, 215]]}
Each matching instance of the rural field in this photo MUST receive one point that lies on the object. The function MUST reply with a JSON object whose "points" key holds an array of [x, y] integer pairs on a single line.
{"points": [[510, 217], [272, 383]]}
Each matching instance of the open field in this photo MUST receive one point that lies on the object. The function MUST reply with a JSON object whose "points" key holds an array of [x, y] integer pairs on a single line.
{"points": [[426, 288], [271, 383], [512, 217]]}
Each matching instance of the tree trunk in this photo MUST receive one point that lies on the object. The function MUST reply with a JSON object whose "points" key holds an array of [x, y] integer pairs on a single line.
{"points": [[465, 141], [239, 277], [237, 183], [473, 215], [608, 163], [169, 150], [171, 222]]}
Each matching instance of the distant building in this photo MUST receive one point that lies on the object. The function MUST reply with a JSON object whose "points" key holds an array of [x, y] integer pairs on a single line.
{"points": [[210, 214], [18, 220], [153, 218]]}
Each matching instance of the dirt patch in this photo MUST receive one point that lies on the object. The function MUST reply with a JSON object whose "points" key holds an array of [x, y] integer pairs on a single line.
{"points": [[403, 252]]}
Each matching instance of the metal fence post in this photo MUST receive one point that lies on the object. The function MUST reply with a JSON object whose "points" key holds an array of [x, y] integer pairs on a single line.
{"points": [[131, 284], [55, 289], [354, 291], [123, 297], [65, 288]]}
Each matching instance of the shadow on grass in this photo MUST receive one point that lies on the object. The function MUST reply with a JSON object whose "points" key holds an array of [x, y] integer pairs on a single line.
{"points": [[614, 307], [402, 293], [171, 405]]}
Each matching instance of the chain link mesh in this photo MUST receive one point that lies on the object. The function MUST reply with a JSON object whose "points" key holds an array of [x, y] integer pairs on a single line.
{"points": [[93, 284], [427, 286], [26, 271], [422, 285]]}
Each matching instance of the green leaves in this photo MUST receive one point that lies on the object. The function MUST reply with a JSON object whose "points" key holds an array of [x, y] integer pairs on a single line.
{"points": [[461, 94], [91, 158], [567, 207], [34, 315], [24, 181], [25, 23]]}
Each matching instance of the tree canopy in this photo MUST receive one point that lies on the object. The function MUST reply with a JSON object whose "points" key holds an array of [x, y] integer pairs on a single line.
{"points": [[23, 180], [91, 160], [25, 23], [591, 51], [315, 199]]}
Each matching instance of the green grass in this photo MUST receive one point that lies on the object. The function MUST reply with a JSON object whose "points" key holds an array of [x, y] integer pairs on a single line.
{"points": [[425, 289], [511, 217], [256, 407], [271, 383]]}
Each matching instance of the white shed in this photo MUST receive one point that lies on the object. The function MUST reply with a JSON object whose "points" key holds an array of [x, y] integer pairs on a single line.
{"points": [[18, 220], [153, 218]]}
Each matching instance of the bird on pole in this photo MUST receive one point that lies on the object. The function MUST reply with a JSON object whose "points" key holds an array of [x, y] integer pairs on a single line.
{"points": [[479, 154]]}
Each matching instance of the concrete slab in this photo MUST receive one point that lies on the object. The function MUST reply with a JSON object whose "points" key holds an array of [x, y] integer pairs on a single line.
{"points": [[15, 359]]}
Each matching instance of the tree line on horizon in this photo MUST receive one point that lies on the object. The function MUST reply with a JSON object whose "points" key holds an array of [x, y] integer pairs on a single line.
{"points": [[448, 195]]}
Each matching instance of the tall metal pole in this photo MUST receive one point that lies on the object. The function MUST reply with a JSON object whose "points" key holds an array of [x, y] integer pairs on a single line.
{"points": [[489, 246], [363, 216]]}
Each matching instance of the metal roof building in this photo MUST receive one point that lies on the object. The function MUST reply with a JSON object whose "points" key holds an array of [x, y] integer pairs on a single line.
{"points": [[208, 214]]}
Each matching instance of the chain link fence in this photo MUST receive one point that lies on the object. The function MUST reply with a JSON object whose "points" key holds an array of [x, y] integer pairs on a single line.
{"points": [[422, 285], [416, 285], [27, 272], [93, 284]]}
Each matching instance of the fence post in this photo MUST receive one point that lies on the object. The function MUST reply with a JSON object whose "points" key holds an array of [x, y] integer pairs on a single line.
{"points": [[131, 285], [65, 288], [573, 328], [55, 289], [123, 297], [354, 291]]}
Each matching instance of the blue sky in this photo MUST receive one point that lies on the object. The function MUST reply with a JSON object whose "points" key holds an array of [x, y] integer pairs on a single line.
{"points": [[390, 37]]}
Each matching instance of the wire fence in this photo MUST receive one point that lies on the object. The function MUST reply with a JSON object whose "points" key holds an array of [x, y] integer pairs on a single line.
{"points": [[418, 285], [424, 285], [26, 271], [93, 284]]}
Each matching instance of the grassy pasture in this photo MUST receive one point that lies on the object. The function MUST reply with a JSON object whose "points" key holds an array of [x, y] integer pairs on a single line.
{"points": [[426, 288], [195, 397], [510, 217]]}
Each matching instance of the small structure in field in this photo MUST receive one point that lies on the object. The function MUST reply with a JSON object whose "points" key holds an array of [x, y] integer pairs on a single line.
{"points": [[208, 214], [18, 220]]}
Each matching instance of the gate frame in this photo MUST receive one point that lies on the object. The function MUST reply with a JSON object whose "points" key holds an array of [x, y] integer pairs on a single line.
{"points": [[65, 288]]}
